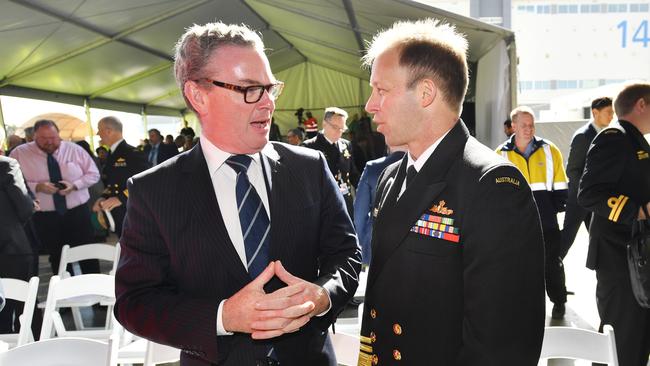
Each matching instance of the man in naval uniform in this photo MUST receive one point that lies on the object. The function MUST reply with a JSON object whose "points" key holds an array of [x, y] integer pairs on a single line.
{"points": [[457, 269]]}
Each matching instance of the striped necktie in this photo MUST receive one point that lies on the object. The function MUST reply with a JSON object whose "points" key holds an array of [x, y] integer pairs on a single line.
{"points": [[253, 219]]}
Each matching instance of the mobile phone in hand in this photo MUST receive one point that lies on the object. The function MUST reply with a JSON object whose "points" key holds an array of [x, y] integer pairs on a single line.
{"points": [[60, 185]]}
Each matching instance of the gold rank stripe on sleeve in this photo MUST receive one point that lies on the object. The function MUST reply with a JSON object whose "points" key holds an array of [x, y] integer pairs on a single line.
{"points": [[364, 359], [126, 193], [365, 348], [366, 340], [616, 204]]}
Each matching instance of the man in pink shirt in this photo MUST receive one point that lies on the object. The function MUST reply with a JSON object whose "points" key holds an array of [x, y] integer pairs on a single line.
{"points": [[59, 173]]}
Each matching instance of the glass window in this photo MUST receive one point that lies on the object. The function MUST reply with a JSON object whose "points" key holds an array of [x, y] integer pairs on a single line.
{"points": [[561, 84], [595, 8], [644, 8], [622, 8], [540, 9], [584, 8], [563, 9], [530, 8], [634, 8], [521, 8], [573, 9], [612, 8], [547, 9], [572, 84]]}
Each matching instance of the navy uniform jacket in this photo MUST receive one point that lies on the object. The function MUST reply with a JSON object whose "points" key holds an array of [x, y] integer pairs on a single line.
{"points": [[178, 261], [460, 253], [615, 184], [339, 158], [580, 143], [123, 163]]}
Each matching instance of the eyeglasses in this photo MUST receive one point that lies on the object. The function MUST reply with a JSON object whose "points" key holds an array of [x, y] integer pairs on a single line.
{"points": [[252, 93], [345, 128]]}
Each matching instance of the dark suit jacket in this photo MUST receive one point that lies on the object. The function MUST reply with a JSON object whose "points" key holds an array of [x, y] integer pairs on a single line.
{"points": [[615, 184], [178, 262], [365, 198], [165, 151], [16, 207], [339, 159], [577, 156], [432, 301]]}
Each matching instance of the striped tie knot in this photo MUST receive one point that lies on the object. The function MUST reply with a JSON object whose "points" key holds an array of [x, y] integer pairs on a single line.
{"points": [[239, 163]]}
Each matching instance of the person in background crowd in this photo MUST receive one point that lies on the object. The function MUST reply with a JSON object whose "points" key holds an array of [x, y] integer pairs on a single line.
{"points": [[274, 133], [179, 141], [99, 233], [29, 134], [59, 173], [187, 131], [169, 139], [365, 198], [12, 142], [16, 253], [157, 151], [337, 151], [541, 163], [311, 125], [507, 128], [615, 187], [457, 245], [602, 114], [295, 136], [123, 162], [102, 155], [239, 272]]}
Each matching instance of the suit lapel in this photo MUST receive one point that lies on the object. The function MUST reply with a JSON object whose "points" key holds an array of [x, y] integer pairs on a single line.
{"points": [[396, 218], [203, 203]]}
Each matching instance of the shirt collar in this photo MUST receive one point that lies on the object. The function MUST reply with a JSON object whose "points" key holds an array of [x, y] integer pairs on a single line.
{"points": [[419, 163], [215, 157], [114, 146]]}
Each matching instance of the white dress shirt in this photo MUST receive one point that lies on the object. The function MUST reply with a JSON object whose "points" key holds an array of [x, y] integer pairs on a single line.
{"points": [[419, 163]]}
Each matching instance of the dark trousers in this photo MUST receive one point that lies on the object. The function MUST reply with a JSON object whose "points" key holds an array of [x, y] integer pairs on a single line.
{"points": [[618, 308], [73, 228], [18, 267], [554, 268], [118, 214], [573, 217]]}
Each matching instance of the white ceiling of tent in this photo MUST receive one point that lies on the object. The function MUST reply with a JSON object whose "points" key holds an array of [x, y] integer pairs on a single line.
{"points": [[118, 53]]}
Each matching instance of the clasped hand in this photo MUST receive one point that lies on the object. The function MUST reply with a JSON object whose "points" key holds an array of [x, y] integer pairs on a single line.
{"points": [[251, 310]]}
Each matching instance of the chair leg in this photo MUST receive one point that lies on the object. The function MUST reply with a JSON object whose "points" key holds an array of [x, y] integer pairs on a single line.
{"points": [[78, 320]]}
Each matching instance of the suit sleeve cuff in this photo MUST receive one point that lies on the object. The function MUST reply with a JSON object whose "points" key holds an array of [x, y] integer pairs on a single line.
{"points": [[221, 331]]}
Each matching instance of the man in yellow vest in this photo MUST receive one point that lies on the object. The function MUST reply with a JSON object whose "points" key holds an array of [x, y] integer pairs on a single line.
{"points": [[540, 161]]}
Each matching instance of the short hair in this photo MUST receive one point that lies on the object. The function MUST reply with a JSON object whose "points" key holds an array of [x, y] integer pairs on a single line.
{"points": [[297, 132], [112, 122], [156, 131], [429, 48], [29, 131], [600, 103], [522, 109], [45, 123], [508, 123], [199, 42], [334, 111], [627, 98]]}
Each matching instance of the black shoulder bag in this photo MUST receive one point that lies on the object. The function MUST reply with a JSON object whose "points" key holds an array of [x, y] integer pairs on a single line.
{"points": [[638, 260]]}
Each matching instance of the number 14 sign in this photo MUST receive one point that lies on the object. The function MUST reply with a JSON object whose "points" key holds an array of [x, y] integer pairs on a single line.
{"points": [[640, 34]]}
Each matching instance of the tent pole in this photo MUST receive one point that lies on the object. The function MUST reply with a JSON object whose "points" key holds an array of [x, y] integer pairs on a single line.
{"points": [[3, 141], [90, 125], [144, 121]]}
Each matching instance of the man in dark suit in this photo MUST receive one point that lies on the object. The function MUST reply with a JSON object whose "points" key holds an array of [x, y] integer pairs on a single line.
{"points": [[337, 151], [615, 187], [123, 162], [602, 112], [156, 150], [457, 245], [238, 272], [16, 207], [363, 201]]}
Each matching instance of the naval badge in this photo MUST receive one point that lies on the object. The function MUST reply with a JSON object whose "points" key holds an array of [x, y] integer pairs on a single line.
{"points": [[641, 154], [441, 209]]}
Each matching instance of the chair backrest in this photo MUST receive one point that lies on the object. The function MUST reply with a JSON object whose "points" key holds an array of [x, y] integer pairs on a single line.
{"points": [[62, 351], [581, 344], [70, 288], [346, 348], [159, 353], [101, 251], [25, 292]]}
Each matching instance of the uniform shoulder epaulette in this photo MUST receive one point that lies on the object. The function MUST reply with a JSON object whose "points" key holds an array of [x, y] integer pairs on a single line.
{"points": [[612, 130]]}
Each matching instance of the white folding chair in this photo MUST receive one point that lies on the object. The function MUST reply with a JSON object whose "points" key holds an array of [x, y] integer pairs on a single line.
{"points": [[74, 290], [346, 348], [580, 344], [62, 351], [72, 256], [26, 292], [143, 351]]}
